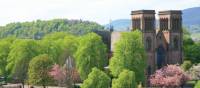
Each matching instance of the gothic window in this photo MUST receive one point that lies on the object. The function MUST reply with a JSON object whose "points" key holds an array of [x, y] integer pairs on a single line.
{"points": [[136, 23], [148, 44], [176, 24], [149, 24], [175, 43], [164, 24]]}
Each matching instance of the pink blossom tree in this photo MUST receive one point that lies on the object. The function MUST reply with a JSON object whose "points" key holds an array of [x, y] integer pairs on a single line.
{"points": [[58, 73], [169, 76]]}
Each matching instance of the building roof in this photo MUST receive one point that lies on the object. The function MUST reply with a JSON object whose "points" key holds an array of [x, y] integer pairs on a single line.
{"points": [[170, 12], [142, 12]]}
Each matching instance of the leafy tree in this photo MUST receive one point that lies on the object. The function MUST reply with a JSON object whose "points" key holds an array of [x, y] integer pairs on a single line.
{"points": [[191, 53], [22, 51], [90, 53], [4, 51], [169, 76], [38, 70], [126, 79], [186, 65], [129, 54], [96, 79], [197, 85], [58, 74]]}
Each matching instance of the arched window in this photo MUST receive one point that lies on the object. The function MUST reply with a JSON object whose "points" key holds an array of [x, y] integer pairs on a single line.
{"points": [[148, 44], [175, 43]]}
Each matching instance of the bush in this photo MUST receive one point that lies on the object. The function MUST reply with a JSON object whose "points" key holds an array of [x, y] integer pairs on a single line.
{"points": [[194, 72], [126, 79], [169, 76], [197, 84], [186, 65], [96, 79]]}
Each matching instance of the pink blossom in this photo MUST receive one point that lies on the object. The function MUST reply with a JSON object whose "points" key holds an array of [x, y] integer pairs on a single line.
{"points": [[169, 76]]}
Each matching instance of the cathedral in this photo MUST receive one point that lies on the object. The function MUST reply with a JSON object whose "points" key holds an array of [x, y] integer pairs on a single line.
{"points": [[164, 44]]}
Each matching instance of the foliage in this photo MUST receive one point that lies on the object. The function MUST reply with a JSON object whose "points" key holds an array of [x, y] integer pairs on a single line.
{"points": [[58, 73], [129, 54], [169, 76], [4, 51], [194, 72], [91, 53], [22, 51], [186, 65], [96, 79], [126, 79], [192, 53], [38, 70], [197, 84], [38, 29]]}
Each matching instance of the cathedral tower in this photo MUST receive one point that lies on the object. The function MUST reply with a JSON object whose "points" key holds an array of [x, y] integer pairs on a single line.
{"points": [[144, 20], [171, 27]]}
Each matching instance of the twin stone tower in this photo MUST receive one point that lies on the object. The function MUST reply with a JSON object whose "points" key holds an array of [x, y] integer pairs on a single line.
{"points": [[165, 44]]}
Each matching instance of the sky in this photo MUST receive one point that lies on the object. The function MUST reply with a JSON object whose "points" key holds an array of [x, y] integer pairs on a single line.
{"points": [[100, 11]]}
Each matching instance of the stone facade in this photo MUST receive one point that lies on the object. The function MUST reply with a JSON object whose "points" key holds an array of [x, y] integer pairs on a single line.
{"points": [[163, 45]]}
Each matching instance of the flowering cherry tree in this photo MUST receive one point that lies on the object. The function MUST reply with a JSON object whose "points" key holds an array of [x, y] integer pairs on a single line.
{"points": [[169, 76], [58, 74]]}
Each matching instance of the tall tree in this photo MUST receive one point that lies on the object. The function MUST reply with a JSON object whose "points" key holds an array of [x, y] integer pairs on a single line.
{"points": [[4, 51], [22, 51], [96, 79], [91, 53], [38, 72], [129, 54], [126, 79]]}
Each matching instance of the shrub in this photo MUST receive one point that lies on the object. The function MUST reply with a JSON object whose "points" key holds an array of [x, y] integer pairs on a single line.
{"points": [[194, 72], [186, 65], [197, 84], [169, 76]]}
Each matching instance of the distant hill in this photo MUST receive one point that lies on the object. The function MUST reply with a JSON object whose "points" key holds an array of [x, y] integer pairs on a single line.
{"points": [[191, 19], [38, 29], [191, 16], [120, 24]]}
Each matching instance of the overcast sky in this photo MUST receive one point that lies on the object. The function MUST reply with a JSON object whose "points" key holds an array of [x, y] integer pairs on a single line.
{"points": [[100, 11]]}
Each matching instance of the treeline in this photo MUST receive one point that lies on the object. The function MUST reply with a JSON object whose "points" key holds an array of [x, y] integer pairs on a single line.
{"points": [[38, 29]]}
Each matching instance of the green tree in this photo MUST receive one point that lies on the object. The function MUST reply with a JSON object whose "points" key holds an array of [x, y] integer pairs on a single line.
{"points": [[129, 54], [126, 79], [192, 53], [90, 53], [97, 79], [22, 51], [4, 51], [38, 70]]}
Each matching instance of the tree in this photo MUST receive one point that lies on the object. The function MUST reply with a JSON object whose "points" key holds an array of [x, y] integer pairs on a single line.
{"points": [[129, 54], [191, 53], [58, 74], [91, 53], [126, 79], [96, 79], [186, 65], [169, 76], [22, 51], [4, 51], [38, 70], [194, 72]]}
